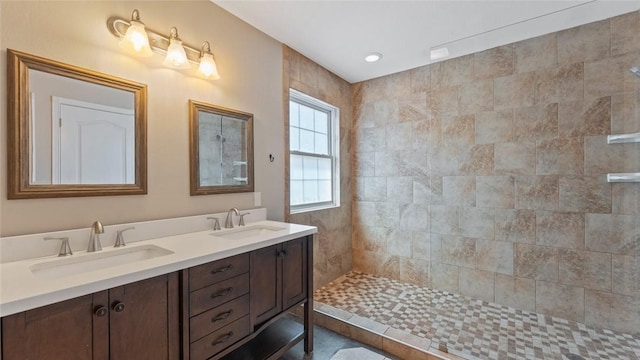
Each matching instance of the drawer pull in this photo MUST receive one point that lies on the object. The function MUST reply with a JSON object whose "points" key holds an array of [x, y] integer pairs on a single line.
{"points": [[222, 316], [222, 269], [224, 292], [222, 339], [119, 307]]}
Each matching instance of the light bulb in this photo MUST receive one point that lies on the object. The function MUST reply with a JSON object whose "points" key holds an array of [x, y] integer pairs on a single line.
{"points": [[135, 40], [208, 67], [176, 56]]}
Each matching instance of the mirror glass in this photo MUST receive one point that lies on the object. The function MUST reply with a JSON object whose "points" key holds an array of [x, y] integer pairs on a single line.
{"points": [[73, 131], [221, 149]]}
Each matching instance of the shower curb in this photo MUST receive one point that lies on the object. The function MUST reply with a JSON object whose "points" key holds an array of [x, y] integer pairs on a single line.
{"points": [[376, 335]]}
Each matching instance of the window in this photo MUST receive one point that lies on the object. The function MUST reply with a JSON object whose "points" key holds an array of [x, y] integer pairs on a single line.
{"points": [[314, 178]]}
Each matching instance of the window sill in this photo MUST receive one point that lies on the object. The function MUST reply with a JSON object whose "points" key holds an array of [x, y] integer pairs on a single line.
{"points": [[312, 208]]}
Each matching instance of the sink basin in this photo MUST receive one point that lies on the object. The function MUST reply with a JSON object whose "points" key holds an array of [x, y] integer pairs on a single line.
{"points": [[248, 231], [83, 263]]}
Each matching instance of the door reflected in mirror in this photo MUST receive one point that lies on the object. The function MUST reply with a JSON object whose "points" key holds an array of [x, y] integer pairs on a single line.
{"points": [[221, 149], [73, 131]]}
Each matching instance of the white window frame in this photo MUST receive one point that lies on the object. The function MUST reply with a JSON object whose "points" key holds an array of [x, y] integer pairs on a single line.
{"points": [[334, 151]]}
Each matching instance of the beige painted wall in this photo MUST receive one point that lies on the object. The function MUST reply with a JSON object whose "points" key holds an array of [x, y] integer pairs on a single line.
{"points": [[249, 62]]}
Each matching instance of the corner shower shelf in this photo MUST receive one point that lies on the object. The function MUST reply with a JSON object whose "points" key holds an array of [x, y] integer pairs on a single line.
{"points": [[624, 138], [236, 162], [623, 177]]}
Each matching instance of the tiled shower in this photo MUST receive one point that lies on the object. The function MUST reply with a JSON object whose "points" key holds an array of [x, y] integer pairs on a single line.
{"points": [[485, 176]]}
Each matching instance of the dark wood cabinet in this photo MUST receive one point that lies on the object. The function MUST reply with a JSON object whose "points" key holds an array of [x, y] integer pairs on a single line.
{"points": [[135, 321]]}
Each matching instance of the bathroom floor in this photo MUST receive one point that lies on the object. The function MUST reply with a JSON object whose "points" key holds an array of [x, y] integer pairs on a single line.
{"points": [[472, 328]]}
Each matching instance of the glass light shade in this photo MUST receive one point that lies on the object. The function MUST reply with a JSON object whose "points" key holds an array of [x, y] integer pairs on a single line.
{"points": [[208, 67], [176, 56], [135, 40]]}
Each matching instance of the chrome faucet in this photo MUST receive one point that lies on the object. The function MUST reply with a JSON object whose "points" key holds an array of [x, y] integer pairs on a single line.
{"points": [[94, 238], [229, 223]]}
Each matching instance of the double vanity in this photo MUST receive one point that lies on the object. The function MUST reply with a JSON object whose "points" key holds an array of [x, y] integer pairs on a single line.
{"points": [[176, 290]]}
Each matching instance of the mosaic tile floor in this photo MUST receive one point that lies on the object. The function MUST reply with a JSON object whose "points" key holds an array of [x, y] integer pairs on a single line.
{"points": [[473, 328]]}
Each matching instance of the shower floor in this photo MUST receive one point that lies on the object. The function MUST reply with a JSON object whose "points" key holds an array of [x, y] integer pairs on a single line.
{"points": [[471, 328]]}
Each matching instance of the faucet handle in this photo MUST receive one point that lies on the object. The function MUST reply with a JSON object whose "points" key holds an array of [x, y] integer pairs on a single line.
{"points": [[216, 222], [120, 237], [65, 249], [241, 222]]}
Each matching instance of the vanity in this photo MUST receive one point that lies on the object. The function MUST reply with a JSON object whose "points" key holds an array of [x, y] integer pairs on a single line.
{"points": [[203, 294]]}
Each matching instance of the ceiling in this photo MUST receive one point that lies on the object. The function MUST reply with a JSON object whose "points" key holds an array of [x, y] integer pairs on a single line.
{"points": [[339, 34]]}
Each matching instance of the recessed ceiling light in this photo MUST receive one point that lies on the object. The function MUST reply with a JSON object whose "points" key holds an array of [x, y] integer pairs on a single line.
{"points": [[373, 57], [440, 53]]}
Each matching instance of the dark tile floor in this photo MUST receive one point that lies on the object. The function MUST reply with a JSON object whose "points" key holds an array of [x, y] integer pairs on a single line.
{"points": [[326, 344]]}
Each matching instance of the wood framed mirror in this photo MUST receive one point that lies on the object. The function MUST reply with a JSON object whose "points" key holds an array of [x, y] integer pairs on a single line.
{"points": [[73, 131], [220, 149]]}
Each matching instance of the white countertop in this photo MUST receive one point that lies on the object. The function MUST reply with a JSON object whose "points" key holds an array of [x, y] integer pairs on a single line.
{"points": [[21, 290]]}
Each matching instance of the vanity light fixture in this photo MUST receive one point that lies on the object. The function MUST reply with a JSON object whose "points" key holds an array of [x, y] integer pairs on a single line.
{"points": [[208, 67], [373, 57], [177, 54], [136, 40]]}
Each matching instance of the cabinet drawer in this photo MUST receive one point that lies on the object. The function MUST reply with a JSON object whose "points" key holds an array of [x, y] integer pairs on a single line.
{"points": [[216, 271], [218, 317], [218, 294], [221, 339]]}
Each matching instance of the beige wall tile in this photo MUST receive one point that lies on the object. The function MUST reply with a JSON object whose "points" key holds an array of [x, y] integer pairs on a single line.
{"points": [[591, 270], [420, 79], [426, 134], [493, 62], [387, 214], [581, 118], [452, 72], [536, 122], [563, 301], [624, 33], [563, 156], [414, 217], [477, 160], [560, 229], [516, 225], [414, 271], [602, 158], [444, 277], [610, 76], [427, 190], [458, 130], [363, 164], [444, 219], [494, 127], [400, 189], [495, 192], [515, 158], [616, 234], [626, 275], [625, 112], [398, 136], [536, 53], [587, 42], [413, 107], [515, 91], [371, 238], [397, 163], [375, 189], [369, 139], [516, 292], [478, 284], [495, 256], [475, 97], [560, 84], [477, 222], [459, 190], [612, 311], [386, 112], [536, 262], [421, 245], [625, 198], [399, 243], [537, 192], [458, 250], [585, 194], [443, 102]]}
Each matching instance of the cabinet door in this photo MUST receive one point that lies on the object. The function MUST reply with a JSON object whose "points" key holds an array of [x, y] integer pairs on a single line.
{"points": [[266, 284], [294, 272], [144, 319], [70, 330]]}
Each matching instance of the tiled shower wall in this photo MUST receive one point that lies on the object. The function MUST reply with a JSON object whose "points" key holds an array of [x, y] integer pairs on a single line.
{"points": [[332, 246], [485, 175]]}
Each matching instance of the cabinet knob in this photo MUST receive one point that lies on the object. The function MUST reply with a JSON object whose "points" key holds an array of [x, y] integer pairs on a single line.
{"points": [[282, 253], [118, 307], [100, 311], [222, 339]]}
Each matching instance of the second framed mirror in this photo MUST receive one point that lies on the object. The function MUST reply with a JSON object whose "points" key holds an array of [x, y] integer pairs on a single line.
{"points": [[220, 149]]}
